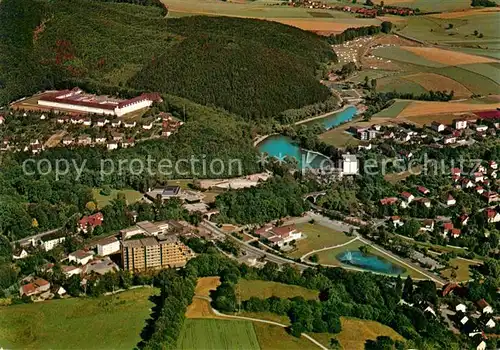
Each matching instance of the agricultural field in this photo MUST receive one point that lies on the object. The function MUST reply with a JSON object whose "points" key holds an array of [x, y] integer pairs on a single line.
{"points": [[272, 337], [318, 237], [217, 335], [394, 110], [462, 270], [422, 108], [245, 289], [436, 82], [322, 21], [101, 200], [77, 323], [400, 84], [356, 332]]}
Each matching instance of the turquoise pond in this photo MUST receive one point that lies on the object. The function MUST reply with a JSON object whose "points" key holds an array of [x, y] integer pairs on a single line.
{"points": [[335, 119], [369, 262], [280, 146]]}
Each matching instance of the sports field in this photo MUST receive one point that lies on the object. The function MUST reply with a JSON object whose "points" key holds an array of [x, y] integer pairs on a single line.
{"points": [[101, 200], [356, 332], [111, 322], [318, 237], [214, 334], [245, 289]]}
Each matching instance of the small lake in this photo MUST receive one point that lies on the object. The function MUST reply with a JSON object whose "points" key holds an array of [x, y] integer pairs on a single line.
{"points": [[336, 118], [280, 146], [369, 262]]}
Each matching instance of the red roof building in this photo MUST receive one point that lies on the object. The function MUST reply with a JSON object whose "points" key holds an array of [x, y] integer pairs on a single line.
{"points": [[91, 220]]}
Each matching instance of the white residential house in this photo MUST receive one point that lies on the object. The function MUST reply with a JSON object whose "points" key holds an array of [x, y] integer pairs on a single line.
{"points": [[464, 320], [116, 123], [484, 307], [349, 164], [21, 254], [129, 124], [407, 199], [49, 242], [478, 177], [490, 323], [87, 122], [460, 124], [481, 128], [438, 126], [81, 257], [430, 310], [69, 271], [147, 126], [450, 201], [427, 225], [396, 221], [108, 246], [100, 140], [112, 145], [492, 216], [461, 307], [481, 345]]}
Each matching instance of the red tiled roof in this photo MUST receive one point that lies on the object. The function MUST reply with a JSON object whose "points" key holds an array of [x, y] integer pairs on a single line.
{"points": [[92, 220], [406, 194], [389, 200], [448, 226], [482, 303], [284, 231], [494, 114]]}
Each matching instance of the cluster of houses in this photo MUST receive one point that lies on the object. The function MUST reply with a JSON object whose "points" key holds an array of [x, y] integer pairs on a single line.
{"points": [[281, 236], [470, 319], [111, 137], [461, 129], [360, 11], [482, 181]]}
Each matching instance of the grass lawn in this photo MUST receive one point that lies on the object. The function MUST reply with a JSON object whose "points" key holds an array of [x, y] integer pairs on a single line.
{"points": [[318, 237], [339, 137], [132, 196], [399, 84], [356, 332], [393, 111], [217, 334], [111, 322], [395, 53], [462, 270], [246, 289], [275, 337]]}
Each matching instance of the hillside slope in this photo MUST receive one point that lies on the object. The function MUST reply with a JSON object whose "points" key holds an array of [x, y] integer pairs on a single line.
{"points": [[250, 67]]}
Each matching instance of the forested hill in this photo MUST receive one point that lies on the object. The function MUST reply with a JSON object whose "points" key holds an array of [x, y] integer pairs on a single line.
{"points": [[250, 67]]}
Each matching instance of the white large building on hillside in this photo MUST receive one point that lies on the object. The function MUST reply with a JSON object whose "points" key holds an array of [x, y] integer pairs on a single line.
{"points": [[76, 100]]}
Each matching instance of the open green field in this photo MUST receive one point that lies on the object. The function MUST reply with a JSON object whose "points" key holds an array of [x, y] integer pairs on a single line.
{"points": [[356, 332], [400, 85], [394, 110], [217, 334], [462, 270], [424, 5], [488, 70], [111, 322], [246, 289], [476, 83], [395, 53], [258, 9], [318, 237], [272, 337], [490, 52], [132, 196]]}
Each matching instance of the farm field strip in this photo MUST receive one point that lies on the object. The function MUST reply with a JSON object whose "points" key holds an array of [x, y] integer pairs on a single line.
{"points": [[417, 108], [433, 81], [217, 334], [446, 57]]}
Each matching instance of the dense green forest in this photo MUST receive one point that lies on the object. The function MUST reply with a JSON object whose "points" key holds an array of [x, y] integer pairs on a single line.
{"points": [[249, 67]]}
